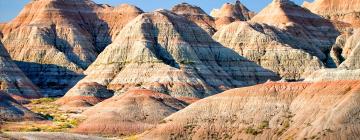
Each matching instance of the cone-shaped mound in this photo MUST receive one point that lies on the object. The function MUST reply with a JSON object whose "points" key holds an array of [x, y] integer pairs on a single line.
{"points": [[299, 22], [197, 15], [129, 113], [229, 13]]}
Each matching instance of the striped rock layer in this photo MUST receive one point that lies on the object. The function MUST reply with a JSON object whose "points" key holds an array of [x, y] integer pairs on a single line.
{"points": [[323, 110], [56, 40], [337, 10], [11, 110], [229, 13], [167, 53], [284, 38], [130, 113], [13, 80], [197, 15]]}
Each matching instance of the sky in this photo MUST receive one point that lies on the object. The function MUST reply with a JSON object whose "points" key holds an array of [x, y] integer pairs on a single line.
{"points": [[10, 8]]}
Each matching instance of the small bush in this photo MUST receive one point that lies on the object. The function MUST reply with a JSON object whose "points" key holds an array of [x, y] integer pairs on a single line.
{"points": [[251, 130]]}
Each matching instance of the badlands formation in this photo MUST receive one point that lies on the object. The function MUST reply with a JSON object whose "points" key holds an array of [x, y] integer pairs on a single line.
{"points": [[181, 73], [56, 40], [338, 10], [196, 15], [229, 13], [284, 38], [167, 53], [323, 110]]}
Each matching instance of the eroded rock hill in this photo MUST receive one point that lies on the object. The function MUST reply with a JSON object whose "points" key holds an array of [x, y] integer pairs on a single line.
{"points": [[130, 113], [197, 15], [165, 52], [229, 13], [323, 110], [338, 10], [284, 38], [11, 110], [56, 40], [13, 80]]}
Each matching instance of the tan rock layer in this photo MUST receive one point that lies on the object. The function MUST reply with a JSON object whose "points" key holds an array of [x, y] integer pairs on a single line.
{"points": [[197, 15], [323, 110], [338, 10], [229, 13]]}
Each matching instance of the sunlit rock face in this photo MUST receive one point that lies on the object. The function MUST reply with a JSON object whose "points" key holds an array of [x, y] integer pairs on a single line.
{"points": [[117, 17], [197, 15], [270, 48], [323, 110], [13, 80], [337, 10], [345, 52], [56, 40], [130, 113], [284, 38], [11, 110], [167, 53], [229, 13], [307, 27]]}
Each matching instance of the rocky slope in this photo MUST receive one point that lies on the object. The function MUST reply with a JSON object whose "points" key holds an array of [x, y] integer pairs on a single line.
{"points": [[307, 27], [333, 75], [11, 110], [345, 51], [56, 40], [270, 48], [13, 80], [284, 38], [229, 13], [338, 10], [164, 52], [117, 17], [129, 113], [197, 15], [324, 110]]}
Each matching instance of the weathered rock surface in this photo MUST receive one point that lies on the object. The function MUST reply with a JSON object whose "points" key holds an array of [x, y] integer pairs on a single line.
{"points": [[13, 80], [56, 40], [271, 48], [284, 38], [338, 10], [333, 75], [129, 113], [85, 95], [165, 52], [229, 13], [307, 27], [11, 110], [117, 17], [345, 52], [196, 15], [324, 110]]}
